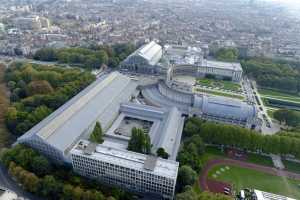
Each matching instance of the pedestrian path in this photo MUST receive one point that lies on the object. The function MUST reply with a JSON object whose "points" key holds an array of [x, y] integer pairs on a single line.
{"points": [[277, 161]]}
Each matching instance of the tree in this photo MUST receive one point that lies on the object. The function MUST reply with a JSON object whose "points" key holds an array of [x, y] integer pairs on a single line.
{"points": [[11, 85], [189, 194], [40, 165], [289, 117], [11, 118], [31, 182], [186, 176], [67, 192], [227, 54], [139, 142], [39, 114], [45, 54], [51, 187], [77, 193], [162, 153], [39, 87], [102, 56], [97, 134]]}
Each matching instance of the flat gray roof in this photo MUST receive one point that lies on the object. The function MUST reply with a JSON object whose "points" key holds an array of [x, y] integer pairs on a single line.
{"points": [[64, 126], [150, 163], [129, 159], [223, 65]]}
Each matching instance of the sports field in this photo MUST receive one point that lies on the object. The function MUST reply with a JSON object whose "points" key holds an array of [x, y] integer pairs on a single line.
{"points": [[249, 178]]}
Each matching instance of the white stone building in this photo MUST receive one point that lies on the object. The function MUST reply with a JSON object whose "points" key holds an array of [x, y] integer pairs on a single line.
{"points": [[133, 171]]}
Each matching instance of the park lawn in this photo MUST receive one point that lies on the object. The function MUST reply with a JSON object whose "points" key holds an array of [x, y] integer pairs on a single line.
{"points": [[270, 112], [242, 178], [291, 166], [259, 160], [226, 85], [212, 153], [220, 93], [279, 95]]}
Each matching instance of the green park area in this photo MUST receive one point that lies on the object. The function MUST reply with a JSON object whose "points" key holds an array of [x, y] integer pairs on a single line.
{"points": [[292, 166], [5, 136], [218, 93], [242, 178], [279, 95], [212, 153], [220, 84]]}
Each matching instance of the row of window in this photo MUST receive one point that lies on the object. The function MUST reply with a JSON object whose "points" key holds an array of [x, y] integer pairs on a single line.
{"points": [[119, 175]]}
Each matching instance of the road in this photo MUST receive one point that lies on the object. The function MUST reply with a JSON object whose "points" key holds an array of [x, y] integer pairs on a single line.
{"points": [[253, 97], [273, 127], [7, 182]]}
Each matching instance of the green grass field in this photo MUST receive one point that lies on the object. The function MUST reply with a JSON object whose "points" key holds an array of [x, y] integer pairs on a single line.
{"points": [[220, 93], [226, 85], [279, 95], [212, 153], [247, 178], [270, 112], [259, 159], [291, 166]]}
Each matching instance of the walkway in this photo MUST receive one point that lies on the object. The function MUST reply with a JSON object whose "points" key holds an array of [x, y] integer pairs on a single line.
{"points": [[268, 170]]}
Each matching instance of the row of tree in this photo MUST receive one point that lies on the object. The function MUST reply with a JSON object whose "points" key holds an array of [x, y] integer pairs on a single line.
{"points": [[190, 159], [92, 57], [42, 178], [287, 117], [238, 137], [48, 187], [36, 91], [191, 151]]}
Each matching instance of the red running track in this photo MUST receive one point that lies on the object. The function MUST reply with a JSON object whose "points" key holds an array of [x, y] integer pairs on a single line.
{"points": [[268, 170]]}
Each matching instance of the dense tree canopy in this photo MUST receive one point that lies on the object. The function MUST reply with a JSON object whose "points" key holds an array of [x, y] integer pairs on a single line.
{"points": [[278, 75], [37, 175], [288, 117], [227, 54], [92, 57], [37, 90], [186, 176], [191, 152], [139, 142], [189, 194]]}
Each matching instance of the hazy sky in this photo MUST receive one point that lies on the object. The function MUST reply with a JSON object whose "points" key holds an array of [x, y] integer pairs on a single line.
{"points": [[292, 5], [288, 2]]}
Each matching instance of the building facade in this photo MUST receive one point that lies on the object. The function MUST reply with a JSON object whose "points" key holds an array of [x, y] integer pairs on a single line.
{"points": [[181, 60], [144, 60], [214, 108], [129, 170]]}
